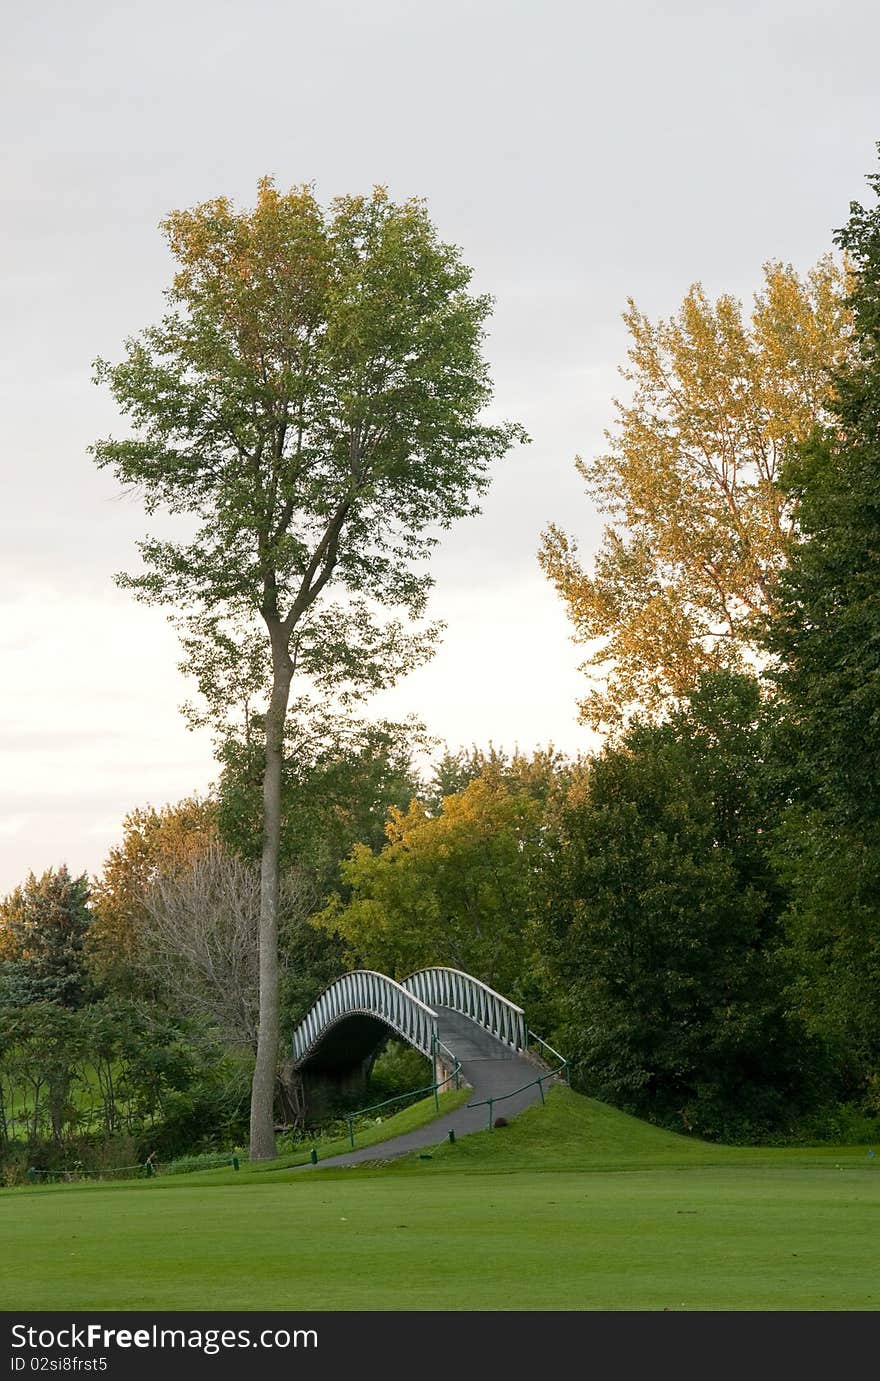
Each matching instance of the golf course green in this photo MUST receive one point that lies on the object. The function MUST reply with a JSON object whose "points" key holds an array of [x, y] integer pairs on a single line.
{"points": [[574, 1207]]}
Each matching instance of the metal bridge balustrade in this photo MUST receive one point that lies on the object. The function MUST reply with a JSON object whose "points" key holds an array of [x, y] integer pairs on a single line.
{"points": [[440, 986], [408, 1008], [364, 991]]}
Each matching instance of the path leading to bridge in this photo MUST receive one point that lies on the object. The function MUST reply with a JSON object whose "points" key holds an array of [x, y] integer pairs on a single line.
{"points": [[488, 1064]]}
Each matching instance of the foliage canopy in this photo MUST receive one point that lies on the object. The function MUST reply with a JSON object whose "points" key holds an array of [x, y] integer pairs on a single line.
{"points": [[687, 572]]}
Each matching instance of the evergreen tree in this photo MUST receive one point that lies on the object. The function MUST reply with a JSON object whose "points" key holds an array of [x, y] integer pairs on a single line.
{"points": [[43, 925], [826, 635], [826, 640]]}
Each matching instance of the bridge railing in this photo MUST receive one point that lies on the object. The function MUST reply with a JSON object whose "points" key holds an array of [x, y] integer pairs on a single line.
{"points": [[373, 994], [559, 1072], [444, 987], [442, 1056]]}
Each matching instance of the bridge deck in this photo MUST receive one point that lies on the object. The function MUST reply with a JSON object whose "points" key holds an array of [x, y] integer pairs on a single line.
{"points": [[490, 1066]]}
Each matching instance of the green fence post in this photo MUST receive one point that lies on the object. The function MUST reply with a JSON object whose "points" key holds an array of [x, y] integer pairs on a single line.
{"points": [[541, 1090], [490, 1113], [148, 1166], [313, 1156], [452, 1136], [351, 1130], [235, 1162], [32, 1174]]}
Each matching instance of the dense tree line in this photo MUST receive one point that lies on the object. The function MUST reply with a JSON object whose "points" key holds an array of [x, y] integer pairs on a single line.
{"points": [[715, 913]]}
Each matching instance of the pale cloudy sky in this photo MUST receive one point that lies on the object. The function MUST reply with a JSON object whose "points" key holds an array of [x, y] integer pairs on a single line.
{"points": [[578, 152]]}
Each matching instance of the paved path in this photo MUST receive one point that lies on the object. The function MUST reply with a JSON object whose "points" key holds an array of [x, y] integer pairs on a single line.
{"points": [[492, 1069]]}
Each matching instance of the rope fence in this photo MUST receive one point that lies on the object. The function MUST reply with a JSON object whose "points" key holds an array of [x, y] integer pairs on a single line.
{"points": [[144, 1170]]}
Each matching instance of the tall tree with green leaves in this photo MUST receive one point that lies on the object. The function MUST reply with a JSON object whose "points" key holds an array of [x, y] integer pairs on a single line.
{"points": [[662, 924], [826, 636], [826, 643], [312, 407]]}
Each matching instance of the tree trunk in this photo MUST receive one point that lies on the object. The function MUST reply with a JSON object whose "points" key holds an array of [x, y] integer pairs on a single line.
{"points": [[59, 1092], [263, 1088], [292, 1104]]}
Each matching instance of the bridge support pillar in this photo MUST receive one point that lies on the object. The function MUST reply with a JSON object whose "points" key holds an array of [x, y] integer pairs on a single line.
{"points": [[442, 1071], [326, 1091]]}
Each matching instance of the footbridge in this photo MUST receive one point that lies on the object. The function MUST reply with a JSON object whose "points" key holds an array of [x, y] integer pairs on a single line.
{"points": [[470, 1033]]}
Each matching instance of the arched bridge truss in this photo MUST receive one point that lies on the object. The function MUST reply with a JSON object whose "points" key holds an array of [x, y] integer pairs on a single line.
{"points": [[348, 1018]]}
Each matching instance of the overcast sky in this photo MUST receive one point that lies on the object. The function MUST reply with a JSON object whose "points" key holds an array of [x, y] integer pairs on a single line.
{"points": [[577, 152]]}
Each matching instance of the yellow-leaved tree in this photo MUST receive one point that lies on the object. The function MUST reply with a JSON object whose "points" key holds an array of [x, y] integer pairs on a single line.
{"points": [[155, 844], [685, 577], [451, 888]]}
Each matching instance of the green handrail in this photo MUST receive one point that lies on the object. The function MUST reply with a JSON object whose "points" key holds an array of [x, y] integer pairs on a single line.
{"points": [[563, 1062], [413, 1093], [540, 1081]]}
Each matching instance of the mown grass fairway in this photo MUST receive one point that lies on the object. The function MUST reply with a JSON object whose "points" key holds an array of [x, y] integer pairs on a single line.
{"points": [[571, 1207]]}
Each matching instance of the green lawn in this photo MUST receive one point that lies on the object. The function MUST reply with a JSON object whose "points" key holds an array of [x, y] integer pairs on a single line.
{"points": [[572, 1206]]}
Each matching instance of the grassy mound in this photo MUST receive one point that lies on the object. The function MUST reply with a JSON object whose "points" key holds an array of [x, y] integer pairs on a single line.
{"points": [[577, 1133]]}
